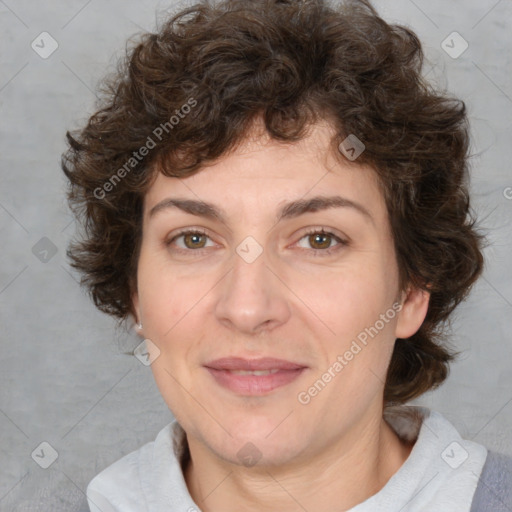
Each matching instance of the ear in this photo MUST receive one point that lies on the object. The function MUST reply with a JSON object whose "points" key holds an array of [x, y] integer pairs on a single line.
{"points": [[414, 309], [136, 309], [135, 302]]}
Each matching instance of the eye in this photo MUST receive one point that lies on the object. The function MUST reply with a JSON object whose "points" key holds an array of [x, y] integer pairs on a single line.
{"points": [[194, 240], [320, 240]]}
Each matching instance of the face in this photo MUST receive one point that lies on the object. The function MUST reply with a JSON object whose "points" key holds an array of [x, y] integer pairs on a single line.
{"points": [[268, 273]]}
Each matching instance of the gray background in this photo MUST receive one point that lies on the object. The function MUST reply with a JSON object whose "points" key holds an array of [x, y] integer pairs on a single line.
{"points": [[63, 377]]}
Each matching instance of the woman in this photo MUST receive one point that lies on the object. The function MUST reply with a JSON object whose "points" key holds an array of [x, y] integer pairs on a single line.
{"points": [[279, 201]]}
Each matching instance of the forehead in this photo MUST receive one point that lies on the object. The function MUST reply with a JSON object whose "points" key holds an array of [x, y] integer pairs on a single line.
{"points": [[262, 174]]}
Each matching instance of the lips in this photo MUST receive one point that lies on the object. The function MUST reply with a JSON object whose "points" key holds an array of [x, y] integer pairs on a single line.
{"points": [[262, 364], [253, 376]]}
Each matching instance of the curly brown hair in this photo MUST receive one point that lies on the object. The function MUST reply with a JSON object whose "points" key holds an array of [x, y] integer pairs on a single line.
{"points": [[290, 63]]}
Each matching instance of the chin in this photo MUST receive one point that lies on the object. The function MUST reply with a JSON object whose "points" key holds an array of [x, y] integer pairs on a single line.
{"points": [[262, 453], [257, 441]]}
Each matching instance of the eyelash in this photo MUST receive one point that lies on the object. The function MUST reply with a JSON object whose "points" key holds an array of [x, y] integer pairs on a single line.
{"points": [[316, 231]]}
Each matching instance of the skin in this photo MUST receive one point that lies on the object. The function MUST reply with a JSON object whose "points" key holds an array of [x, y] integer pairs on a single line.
{"points": [[293, 302]]}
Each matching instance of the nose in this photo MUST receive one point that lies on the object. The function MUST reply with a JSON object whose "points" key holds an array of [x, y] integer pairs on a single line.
{"points": [[252, 296]]}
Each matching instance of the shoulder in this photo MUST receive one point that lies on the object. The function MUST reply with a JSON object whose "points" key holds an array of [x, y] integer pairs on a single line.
{"points": [[118, 486], [494, 489], [121, 486]]}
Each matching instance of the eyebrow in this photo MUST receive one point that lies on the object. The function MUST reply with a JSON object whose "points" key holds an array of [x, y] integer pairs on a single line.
{"points": [[288, 211]]}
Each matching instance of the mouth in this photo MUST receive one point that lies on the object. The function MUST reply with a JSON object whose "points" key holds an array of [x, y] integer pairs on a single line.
{"points": [[252, 377]]}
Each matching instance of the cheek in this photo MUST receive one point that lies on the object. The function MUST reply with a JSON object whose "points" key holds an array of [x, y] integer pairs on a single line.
{"points": [[165, 297], [351, 315], [345, 300], [172, 301]]}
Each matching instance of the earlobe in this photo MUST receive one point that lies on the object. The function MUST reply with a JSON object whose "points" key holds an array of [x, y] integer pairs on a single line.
{"points": [[413, 312], [136, 310]]}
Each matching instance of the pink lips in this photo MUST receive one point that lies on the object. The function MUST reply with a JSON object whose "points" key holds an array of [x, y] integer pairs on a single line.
{"points": [[278, 372]]}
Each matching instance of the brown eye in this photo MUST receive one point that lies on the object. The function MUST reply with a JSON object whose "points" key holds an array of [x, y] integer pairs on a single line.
{"points": [[319, 241], [190, 241], [193, 240], [322, 239]]}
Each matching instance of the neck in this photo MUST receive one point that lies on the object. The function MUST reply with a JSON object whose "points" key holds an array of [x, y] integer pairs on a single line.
{"points": [[340, 477]]}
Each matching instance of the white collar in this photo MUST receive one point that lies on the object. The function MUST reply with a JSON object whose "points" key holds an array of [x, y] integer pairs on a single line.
{"points": [[151, 478]]}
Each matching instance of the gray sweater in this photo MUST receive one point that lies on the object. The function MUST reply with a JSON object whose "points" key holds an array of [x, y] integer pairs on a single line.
{"points": [[494, 490]]}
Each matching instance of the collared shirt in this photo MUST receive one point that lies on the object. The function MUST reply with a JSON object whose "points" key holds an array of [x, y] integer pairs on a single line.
{"points": [[441, 473]]}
